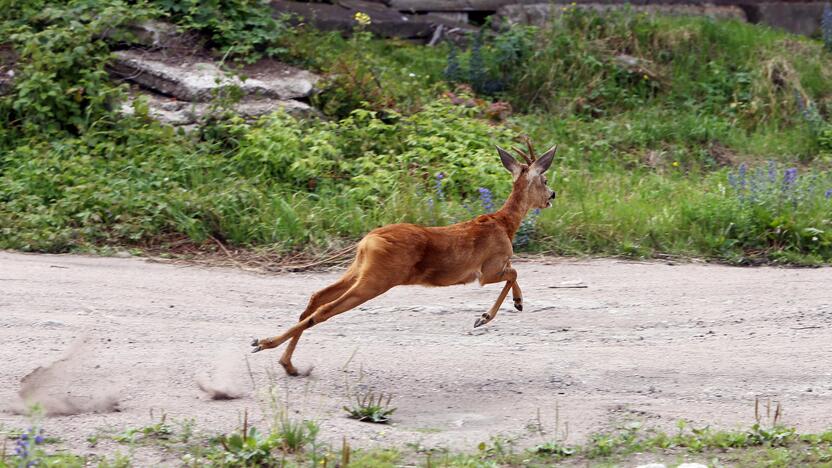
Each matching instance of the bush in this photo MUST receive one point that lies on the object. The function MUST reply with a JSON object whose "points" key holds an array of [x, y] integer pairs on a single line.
{"points": [[61, 85], [243, 29]]}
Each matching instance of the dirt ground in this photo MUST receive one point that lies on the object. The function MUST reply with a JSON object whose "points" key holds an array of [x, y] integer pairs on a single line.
{"points": [[651, 342]]}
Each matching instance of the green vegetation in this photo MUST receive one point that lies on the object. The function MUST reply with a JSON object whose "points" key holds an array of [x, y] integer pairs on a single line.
{"points": [[368, 408], [652, 116], [759, 445]]}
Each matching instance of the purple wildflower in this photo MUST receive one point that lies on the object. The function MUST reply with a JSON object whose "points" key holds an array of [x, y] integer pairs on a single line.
{"points": [[742, 172], [789, 177], [772, 171], [486, 198], [440, 193], [828, 194], [22, 447]]}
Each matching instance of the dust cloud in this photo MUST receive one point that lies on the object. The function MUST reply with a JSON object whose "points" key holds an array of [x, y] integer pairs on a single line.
{"points": [[226, 380], [51, 387]]}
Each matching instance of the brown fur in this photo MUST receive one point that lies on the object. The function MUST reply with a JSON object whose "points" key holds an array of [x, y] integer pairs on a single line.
{"points": [[408, 254]]}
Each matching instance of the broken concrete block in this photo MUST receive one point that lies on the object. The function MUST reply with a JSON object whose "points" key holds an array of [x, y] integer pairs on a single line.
{"points": [[178, 113], [194, 79]]}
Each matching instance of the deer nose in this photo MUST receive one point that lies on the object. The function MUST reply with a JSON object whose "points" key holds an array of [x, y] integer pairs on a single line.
{"points": [[552, 196]]}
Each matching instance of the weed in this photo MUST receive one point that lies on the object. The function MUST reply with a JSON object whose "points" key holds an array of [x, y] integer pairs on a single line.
{"points": [[368, 408], [295, 435], [160, 431], [248, 447]]}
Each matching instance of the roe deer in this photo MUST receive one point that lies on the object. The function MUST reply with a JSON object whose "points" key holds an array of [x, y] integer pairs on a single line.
{"points": [[406, 254]]}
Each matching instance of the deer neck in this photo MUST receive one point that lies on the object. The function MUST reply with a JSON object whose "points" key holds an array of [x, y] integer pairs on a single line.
{"points": [[514, 210]]}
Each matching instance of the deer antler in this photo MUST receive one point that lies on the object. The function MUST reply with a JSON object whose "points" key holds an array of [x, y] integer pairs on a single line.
{"points": [[529, 157], [531, 150], [522, 154]]}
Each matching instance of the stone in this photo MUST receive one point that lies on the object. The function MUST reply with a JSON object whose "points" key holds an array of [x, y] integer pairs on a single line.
{"points": [[178, 113], [6, 81], [150, 33], [197, 79], [636, 65], [447, 5], [795, 17], [452, 16], [8, 60], [538, 14]]}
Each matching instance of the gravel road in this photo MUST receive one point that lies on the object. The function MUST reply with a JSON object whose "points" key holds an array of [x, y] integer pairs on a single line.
{"points": [[650, 342]]}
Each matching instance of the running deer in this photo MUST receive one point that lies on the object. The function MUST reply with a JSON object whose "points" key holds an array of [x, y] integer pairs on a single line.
{"points": [[407, 254]]}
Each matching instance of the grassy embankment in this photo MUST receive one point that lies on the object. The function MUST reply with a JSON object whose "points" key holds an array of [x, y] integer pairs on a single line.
{"points": [[687, 151]]}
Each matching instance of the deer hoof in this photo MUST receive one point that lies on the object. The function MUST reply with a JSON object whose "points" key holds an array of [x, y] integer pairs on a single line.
{"points": [[482, 320], [256, 345], [290, 369], [518, 304]]}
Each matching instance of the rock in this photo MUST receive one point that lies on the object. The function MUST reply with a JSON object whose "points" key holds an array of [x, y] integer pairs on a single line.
{"points": [[6, 81], [385, 22], [447, 5], [538, 14], [196, 79], [183, 113], [451, 16], [636, 66], [150, 33], [8, 59], [795, 17]]}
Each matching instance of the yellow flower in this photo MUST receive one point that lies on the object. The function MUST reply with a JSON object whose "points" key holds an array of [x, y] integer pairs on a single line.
{"points": [[646, 78], [675, 163], [362, 18]]}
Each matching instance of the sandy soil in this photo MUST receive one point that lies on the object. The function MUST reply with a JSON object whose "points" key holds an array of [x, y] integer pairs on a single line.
{"points": [[650, 342]]}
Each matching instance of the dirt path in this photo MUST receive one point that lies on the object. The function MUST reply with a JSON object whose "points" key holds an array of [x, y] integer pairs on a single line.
{"points": [[650, 342]]}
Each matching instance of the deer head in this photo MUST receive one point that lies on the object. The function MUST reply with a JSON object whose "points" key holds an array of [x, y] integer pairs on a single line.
{"points": [[530, 179]]}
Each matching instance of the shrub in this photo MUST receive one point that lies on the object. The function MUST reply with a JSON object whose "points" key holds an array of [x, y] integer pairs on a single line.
{"points": [[243, 29], [61, 85]]}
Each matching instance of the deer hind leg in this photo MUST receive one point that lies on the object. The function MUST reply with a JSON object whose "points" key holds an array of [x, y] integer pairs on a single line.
{"points": [[328, 294], [509, 275], [356, 295]]}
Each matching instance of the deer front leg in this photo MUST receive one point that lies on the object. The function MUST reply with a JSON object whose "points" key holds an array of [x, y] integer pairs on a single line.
{"points": [[509, 275], [517, 295]]}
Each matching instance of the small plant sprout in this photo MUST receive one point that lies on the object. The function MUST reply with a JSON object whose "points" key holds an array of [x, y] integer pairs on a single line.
{"points": [[368, 408]]}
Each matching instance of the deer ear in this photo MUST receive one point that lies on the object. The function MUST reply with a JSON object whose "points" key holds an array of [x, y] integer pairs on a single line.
{"points": [[509, 162], [542, 164]]}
